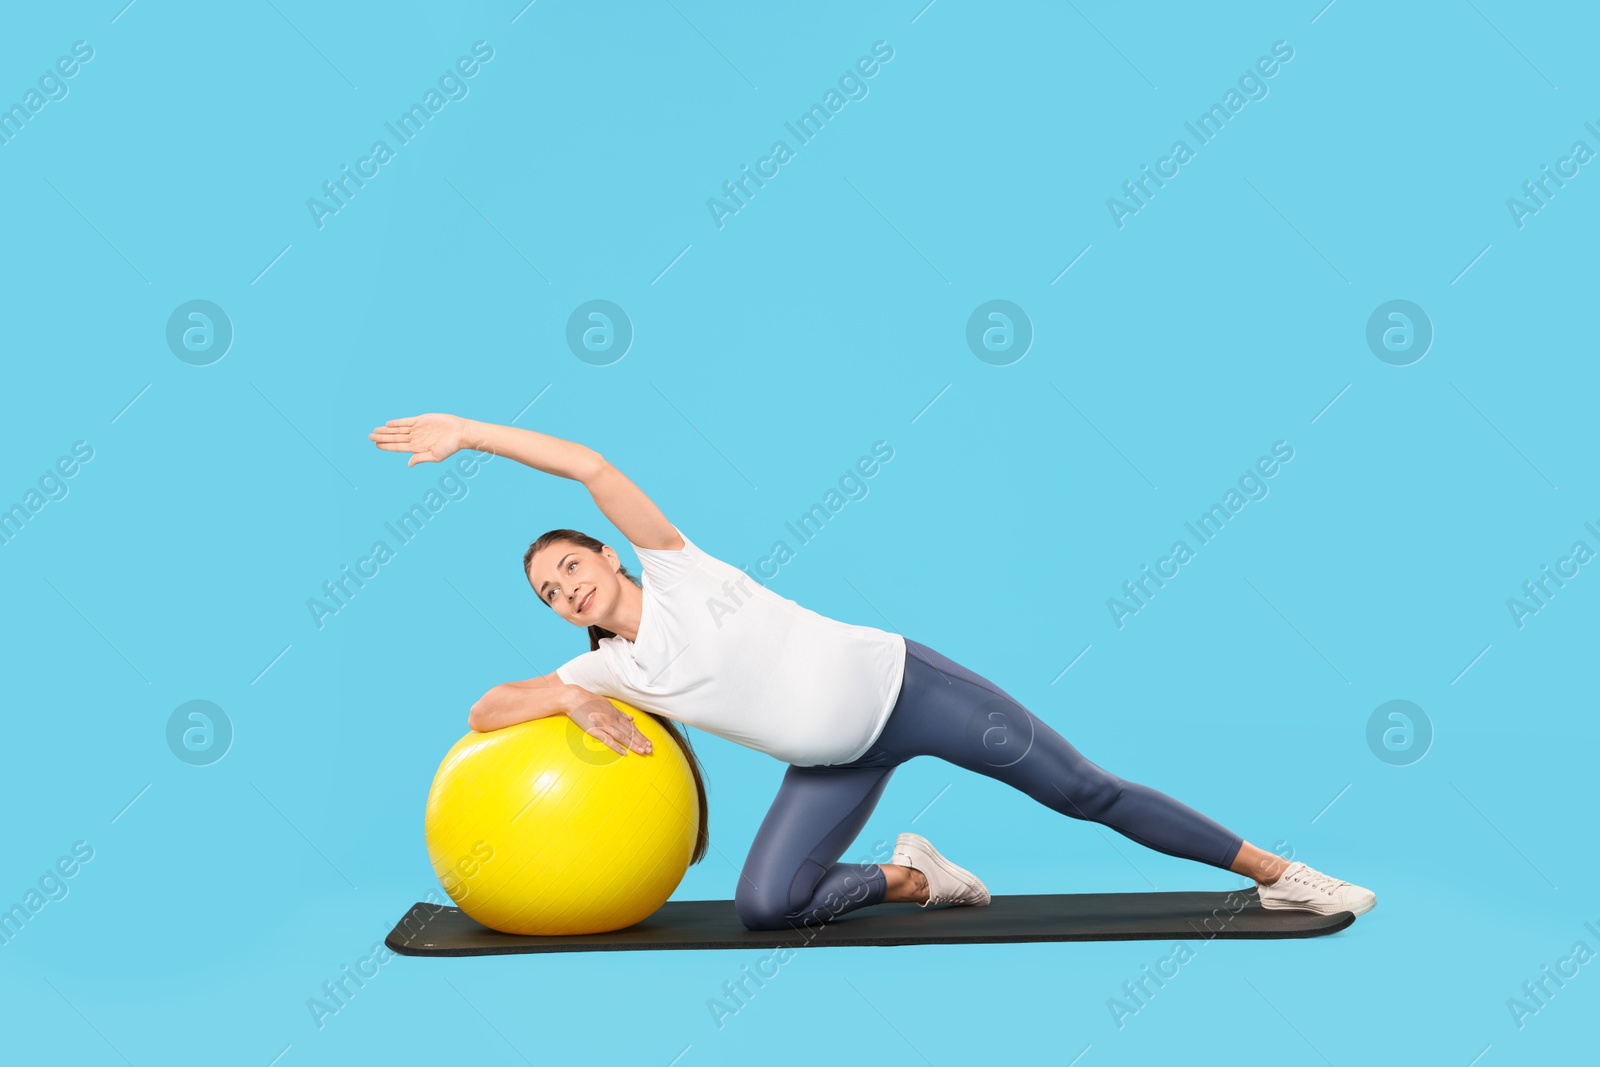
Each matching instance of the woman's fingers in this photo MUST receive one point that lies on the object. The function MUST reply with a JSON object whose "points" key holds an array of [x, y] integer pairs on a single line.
{"points": [[636, 738], [393, 440], [392, 432], [620, 735]]}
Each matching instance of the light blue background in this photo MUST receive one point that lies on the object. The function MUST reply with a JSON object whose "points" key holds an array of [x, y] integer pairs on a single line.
{"points": [[828, 314]]}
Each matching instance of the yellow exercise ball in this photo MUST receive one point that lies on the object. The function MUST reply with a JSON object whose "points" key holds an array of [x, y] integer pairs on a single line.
{"points": [[539, 828]]}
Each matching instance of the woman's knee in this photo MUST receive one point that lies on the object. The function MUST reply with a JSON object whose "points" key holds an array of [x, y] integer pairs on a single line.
{"points": [[1093, 792], [763, 901], [759, 915], [758, 908]]}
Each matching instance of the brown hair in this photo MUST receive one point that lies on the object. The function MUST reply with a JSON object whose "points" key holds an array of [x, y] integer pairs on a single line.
{"points": [[596, 633]]}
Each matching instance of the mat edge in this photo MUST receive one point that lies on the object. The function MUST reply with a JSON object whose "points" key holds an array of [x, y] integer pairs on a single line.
{"points": [[403, 949]]}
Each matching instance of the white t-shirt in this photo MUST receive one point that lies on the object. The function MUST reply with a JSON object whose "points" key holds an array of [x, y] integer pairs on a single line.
{"points": [[718, 650]]}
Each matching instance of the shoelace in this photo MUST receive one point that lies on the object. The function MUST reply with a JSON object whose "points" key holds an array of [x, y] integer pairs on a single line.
{"points": [[1315, 880]]}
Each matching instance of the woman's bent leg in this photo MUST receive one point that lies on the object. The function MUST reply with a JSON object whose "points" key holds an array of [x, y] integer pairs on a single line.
{"points": [[791, 877], [965, 719]]}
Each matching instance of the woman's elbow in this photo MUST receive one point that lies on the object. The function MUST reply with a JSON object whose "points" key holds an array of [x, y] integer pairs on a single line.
{"points": [[478, 715], [594, 464]]}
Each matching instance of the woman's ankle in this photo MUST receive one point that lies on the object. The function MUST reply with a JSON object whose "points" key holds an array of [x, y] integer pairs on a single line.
{"points": [[1254, 863], [905, 884]]}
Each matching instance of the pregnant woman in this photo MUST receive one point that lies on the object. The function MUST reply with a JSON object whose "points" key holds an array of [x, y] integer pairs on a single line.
{"points": [[699, 642]]}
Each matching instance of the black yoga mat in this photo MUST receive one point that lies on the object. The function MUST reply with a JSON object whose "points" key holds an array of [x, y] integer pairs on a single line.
{"points": [[432, 930]]}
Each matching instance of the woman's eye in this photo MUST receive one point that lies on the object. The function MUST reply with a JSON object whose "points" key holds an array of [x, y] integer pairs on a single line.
{"points": [[551, 594]]}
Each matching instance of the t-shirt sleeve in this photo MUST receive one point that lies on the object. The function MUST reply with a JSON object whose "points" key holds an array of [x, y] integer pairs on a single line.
{"points": [[666, 567], [591, 671]]}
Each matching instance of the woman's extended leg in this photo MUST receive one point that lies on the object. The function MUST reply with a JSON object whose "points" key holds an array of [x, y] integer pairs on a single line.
{"points": [[964, 719], [791, 877]]}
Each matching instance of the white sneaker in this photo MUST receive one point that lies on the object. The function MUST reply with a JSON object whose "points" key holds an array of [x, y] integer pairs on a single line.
{"points": [[947, 883], [1303, 888]]}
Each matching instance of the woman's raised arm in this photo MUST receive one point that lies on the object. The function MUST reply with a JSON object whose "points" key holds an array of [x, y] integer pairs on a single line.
{"points": [[436, 437]]}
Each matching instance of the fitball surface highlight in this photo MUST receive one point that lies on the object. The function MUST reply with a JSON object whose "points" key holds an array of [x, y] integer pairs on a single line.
{"points": [[540, 829]]}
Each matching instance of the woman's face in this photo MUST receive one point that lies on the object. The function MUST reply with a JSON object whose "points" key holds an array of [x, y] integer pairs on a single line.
{"points": [[579, 584]]}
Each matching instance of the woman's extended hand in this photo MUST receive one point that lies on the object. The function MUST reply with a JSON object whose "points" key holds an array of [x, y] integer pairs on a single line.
{"points": [[432, 437], [600, 718]]}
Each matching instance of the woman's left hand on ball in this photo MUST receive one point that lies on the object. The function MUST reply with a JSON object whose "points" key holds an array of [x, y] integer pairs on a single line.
{"points": [[601, 718]]}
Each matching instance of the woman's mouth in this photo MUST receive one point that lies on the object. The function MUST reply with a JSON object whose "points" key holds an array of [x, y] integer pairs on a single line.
{"points": [[584, 606]]}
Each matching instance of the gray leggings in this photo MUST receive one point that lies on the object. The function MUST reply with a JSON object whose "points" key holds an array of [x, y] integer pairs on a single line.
{"points": [[792, 878]]}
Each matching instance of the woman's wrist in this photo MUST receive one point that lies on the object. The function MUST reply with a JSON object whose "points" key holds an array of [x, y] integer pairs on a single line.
{"points": [[475, 435]]}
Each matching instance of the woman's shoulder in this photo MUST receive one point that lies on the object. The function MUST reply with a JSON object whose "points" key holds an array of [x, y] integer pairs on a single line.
{"points": [[664, 568], [688, 547]]}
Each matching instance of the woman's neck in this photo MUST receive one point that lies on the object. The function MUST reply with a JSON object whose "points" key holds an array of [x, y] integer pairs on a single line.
{"points": [[630, 608]]}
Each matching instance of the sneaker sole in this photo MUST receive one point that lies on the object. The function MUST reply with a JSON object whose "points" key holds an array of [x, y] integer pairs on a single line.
{"points": [[1330, 909], [960, 873]]}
